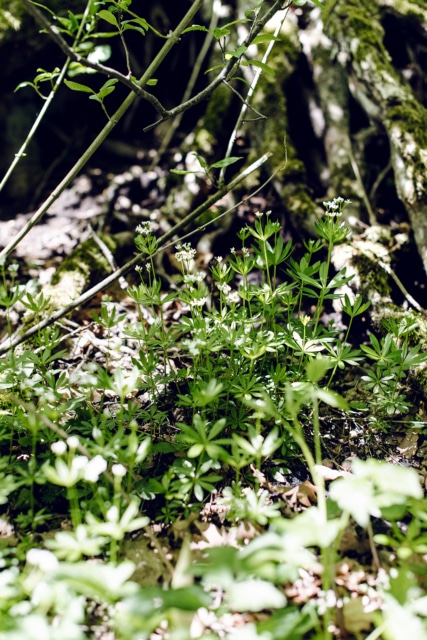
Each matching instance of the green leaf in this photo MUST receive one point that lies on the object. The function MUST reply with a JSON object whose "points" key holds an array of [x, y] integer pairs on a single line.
{"points": [[133, 27], [108, 17], [226, 162], [76, 86], [260, 65], [107, 88], [140, 22], [221, 32], [196, 27], [237, 53], [316, 369], [332, 399], [73, 21], [255, 595], [181, 172], [201, 160], [265, 37], [21, 85]]}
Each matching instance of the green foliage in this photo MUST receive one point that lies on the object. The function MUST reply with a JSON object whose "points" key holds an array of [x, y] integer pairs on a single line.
{"points": [[256, 365], [258, 368]]}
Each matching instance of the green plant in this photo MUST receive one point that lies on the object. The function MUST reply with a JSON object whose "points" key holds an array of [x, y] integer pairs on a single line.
{"points": [[393, 358], [208, 404]]}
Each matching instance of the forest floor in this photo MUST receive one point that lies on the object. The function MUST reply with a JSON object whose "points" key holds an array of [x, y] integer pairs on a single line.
{"points": [[100, 203]]}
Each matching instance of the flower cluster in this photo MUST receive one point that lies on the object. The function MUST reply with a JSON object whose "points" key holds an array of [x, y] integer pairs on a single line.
{"points": [[184, 252], [335, 207], [144, 229]]}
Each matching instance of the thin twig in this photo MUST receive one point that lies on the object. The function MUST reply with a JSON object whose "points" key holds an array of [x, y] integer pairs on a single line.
{"points": [[226, 73], [371, 215], [96, 66], [190, 86], [22, 151], [402, 287], [108, 255], [250, 93], [105, 132]]}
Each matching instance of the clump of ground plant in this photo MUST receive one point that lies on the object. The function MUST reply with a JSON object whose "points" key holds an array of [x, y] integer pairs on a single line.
{"points": [[211, 403]]}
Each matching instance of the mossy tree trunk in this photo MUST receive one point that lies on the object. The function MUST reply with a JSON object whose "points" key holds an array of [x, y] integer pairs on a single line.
{"points": [[349, 98]]}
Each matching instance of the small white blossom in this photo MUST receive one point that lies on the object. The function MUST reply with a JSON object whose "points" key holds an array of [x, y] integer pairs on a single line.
{"points": [[144, 229], [200, 302], [94, 468], [78, 463], [43, 559], [191, 278], [224, 288], [334, 208], [185, 253], [118, 470], [58, 448], [73, 442]]}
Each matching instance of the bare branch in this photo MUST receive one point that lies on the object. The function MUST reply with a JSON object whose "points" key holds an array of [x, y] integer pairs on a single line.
{"points": [[107, 71], [228, 70]]}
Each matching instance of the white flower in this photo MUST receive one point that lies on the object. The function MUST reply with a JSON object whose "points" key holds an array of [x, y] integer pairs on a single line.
{"points": [[94, 468], [73, 442], [59, 447], [144, 229], [78, 463], [118, 470], [224, 288], [200, 302], [185, 253], [43, 559]]}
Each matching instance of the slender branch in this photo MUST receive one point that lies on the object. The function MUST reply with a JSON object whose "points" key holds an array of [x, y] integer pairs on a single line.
{"points": [[246, 103], [227, 71], [190, 86], [105, 132], [87, 295], [46, 105], [96, 66]]}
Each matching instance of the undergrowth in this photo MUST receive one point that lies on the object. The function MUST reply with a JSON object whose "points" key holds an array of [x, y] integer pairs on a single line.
{"points": [[229, 392], [113, 468]]}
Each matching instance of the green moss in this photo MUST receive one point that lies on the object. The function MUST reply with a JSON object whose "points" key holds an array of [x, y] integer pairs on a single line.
{"points": [[412, 116], [373, 278], [213, 120], [411, 8], [86, 260], [302, 210]]}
